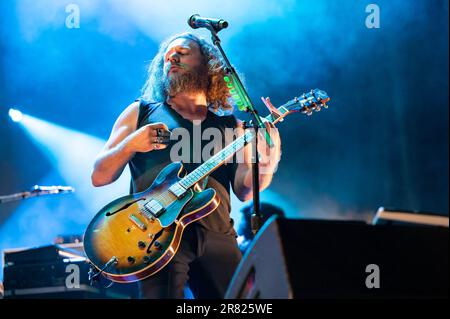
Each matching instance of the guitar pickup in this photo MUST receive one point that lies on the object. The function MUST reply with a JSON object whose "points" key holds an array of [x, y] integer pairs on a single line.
{"points": [[177, 190], [154, 208]]}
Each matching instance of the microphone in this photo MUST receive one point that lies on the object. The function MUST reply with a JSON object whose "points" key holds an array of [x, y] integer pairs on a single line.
{"points": [[43, 190], [196, 21]]}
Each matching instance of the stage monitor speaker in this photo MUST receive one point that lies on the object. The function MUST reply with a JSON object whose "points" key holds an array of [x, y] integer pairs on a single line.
{"points": [[339, 259]]}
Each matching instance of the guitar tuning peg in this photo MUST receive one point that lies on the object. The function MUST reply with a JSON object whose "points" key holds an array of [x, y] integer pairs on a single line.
{"points": [[317, 108], [325, 105]]}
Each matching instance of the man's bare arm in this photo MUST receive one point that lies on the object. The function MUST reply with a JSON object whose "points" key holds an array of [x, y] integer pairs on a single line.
{"points": [[269, 158], [125, 140]]}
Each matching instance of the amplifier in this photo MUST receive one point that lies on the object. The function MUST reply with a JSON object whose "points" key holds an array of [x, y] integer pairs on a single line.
{"points": [[56, 271]]}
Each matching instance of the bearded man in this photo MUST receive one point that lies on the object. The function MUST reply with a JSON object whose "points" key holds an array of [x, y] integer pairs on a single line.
{"points": [[185, 89]]}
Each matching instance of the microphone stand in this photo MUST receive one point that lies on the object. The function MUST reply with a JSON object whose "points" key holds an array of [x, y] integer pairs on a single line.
{"points": [[256, 219], [36, 191]]}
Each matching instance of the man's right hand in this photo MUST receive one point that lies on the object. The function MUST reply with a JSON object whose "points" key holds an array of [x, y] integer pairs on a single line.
{"points": [[125, 140], [148, 138]]}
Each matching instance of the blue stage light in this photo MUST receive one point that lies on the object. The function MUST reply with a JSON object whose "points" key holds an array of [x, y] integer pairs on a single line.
{"points": [[15, 115]]}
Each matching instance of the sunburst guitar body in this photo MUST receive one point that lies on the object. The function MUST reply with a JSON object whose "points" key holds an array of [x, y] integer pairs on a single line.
{"points": [[137, 242]]}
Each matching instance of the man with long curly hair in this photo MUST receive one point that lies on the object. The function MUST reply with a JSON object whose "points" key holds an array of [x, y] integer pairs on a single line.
{"points": [[186, 89]]}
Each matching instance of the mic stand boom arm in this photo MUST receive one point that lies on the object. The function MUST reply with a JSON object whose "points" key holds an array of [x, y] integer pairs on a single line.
{"points": [[36, 191]]}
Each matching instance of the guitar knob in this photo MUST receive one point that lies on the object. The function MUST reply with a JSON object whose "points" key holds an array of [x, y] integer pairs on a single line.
{"points": [[157, 245], [141, 244], [146, 259], [131, 259]]}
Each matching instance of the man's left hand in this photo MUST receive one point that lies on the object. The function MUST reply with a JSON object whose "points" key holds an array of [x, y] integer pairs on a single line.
{"points": [[269, 156]]}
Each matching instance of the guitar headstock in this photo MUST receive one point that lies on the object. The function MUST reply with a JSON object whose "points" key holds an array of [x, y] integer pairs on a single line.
{"points": [[306, 103]]}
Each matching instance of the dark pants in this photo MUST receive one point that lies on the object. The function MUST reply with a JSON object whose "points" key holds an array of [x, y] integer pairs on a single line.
{"points": [[205, 259]]}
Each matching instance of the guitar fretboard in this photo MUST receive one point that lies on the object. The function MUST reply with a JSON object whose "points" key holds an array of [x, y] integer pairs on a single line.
{"points": [[217, 160]]}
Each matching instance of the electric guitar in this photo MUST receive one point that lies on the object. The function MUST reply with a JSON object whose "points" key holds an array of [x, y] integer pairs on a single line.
{"points": [[137, 235]]}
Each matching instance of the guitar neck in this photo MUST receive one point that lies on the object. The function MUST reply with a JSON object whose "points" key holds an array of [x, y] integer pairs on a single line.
{"points": [[218, 159]]}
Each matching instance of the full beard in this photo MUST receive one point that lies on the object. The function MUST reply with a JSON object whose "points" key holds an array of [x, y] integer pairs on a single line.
{"points": [[193, 80]]}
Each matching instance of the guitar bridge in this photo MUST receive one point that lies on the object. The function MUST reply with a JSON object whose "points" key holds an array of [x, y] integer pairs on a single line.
{"points": [[137, 222]]}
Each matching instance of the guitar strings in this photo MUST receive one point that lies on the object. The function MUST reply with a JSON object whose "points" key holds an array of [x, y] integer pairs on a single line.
{"points": [[166, 198]]}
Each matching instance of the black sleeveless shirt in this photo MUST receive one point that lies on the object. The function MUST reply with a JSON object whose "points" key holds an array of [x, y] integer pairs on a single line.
{"points": [[145, 167]]}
